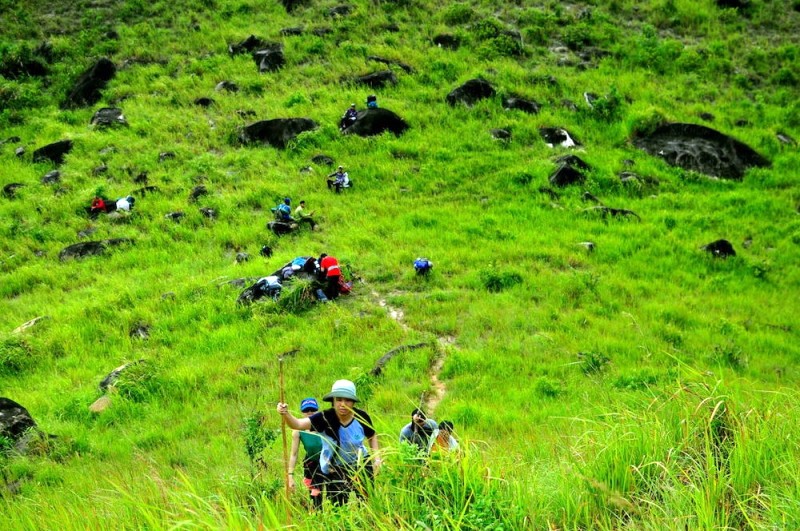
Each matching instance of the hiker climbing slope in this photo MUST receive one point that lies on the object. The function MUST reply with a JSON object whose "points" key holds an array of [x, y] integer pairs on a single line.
{"points": [[312, 444]]}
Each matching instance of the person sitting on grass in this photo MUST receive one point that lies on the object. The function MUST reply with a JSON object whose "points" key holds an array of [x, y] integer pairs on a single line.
{"points": [[302, 216], [349, 118], [338, 180], [312, 444], [283, 212], [345, 431]]}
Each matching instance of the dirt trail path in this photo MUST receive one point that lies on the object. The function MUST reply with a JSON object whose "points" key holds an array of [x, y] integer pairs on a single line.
{"points": [[433, 397]]}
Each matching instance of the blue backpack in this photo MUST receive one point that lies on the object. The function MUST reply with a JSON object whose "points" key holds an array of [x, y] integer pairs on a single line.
{"points": [[422, 266]]}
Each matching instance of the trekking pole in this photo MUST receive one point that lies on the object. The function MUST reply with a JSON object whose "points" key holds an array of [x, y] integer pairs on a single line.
{"points": [[285, 450]]}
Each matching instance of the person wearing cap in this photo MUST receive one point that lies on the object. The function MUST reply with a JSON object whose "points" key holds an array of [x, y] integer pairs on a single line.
{"points": [[345, 432], [349, 118], [312, 444], [338, 180], [421, 431]]}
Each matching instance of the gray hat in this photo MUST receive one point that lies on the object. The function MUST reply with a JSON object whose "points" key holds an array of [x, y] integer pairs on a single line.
{"points": [[342, 389]]}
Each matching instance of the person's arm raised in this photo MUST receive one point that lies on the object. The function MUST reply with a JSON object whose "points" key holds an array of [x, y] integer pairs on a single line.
{"points": [[291, 421]]}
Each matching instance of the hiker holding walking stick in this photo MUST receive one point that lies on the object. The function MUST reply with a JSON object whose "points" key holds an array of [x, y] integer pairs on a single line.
{"points": [[345, 459]]}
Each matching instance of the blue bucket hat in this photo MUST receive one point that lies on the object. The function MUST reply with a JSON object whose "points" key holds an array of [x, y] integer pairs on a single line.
{"points": [[308, 403]]}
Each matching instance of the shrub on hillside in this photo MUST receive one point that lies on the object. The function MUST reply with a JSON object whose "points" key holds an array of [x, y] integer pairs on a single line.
{"points": [[15, 354], [496, 281], [458, 14]]}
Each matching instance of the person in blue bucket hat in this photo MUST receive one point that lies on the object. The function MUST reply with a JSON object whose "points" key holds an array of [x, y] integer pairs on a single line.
{"points": [[349, 454]]}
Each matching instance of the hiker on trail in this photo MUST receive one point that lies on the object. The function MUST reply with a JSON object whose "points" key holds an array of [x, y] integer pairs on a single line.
{"points": [[444, 441], [302, 216], [372, 101], [283, 212], [422, 266], [338, 180], [349, 118], [345, 432], [312, 444], [421, 431], [331, 274]]}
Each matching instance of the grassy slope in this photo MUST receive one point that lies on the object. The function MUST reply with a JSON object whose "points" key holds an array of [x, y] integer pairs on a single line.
{"points": [[647, 299]]}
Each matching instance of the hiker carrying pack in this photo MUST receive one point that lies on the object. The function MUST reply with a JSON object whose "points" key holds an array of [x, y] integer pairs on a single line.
{"points": [[283, 212], [423, 266]]}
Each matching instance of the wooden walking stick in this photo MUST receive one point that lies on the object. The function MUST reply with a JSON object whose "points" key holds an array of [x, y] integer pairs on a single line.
{"points": [[285, 450]]}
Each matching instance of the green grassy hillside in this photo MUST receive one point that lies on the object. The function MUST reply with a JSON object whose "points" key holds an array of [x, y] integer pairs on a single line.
{"points": [[640, 384]]}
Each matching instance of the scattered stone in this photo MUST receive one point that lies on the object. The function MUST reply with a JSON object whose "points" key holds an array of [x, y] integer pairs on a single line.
{"points": [[377, 79], [101, 404], [322, 160], [392, 27], [306, 169], [210, 213], [279, 228], [10, 140], [445, 40], [742, 123], [270, 59], [86, 90], [500, 134], [321, 32], [591, 198], [277, 132], [52, 177], [92, 248], [733, 4], [720, 249], [197, 192], [25, 326], [140, 331], [103, 168], [108, 150], [554, 136], [406, 68], [470, 92], [370, 122], [573, 160], [242, 258], [339, 11], [526, 106], [10, 190], [589, 246], [246, 113], [289, 32], [628, 163], [748, 242], [266, 251], [706, 116], [168, 296], [249, 45], [141, 178], [23, 68], [569, 105], [566, 175], [54, 152], [85, 233], [175, 216], [112, 377], [204, 102], [549, 192], [144, 190], [108, 117], [166, 155], [14, 420], [701, 149], [613, 212], [590, 98], [19, 152], [783, 138], [290, 5], [227, 86]]}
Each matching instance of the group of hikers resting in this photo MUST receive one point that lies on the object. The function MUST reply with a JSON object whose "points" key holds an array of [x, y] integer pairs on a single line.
{"points": [[324, 271], [102, 205], [341, 445]]}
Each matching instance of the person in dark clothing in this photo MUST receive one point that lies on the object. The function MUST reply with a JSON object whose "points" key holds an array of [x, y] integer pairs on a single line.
{"points": [[338, 180], [349, 118]]}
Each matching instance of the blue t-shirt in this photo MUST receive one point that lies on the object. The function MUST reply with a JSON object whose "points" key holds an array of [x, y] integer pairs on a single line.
{"points": [[342, 445]]}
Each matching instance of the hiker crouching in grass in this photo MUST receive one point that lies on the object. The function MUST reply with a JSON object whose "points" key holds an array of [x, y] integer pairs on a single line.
{"points": [[344, 431], [444, 440], [312, 444], [421, 431]]}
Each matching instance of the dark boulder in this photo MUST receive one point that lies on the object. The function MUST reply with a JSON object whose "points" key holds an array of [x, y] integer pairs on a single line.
{"points": [[720, 249], [701, 149], [372, 122], [291, 32], [112, 377], [10, 140], [566, 175], [144, 190], [322, 160], [197, 192], [19, 152], [406, 68], [228, 86], [785, 139], [54, 152], [471, 92], [321, 32], [574, 161], [86, 90], [174, 216], [270, 58], [500, 134], [246, 113], [557, 136], [249, 45], [14, 420], [209, 213], [15, 69], [139, 331], [242, 257], [445, 40], [530, 107], [706, 116], [277, 132], [52, 177], [266, 251], [109, 116], [83, 249], [339, 11], [10, 190], [377, 79], [279, 228], [291, 5], [99, 170], [204, 102], [166, 155], [733, 4]]}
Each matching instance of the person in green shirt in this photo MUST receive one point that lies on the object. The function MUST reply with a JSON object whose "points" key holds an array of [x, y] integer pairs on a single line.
{"points": [[302, 216], [312, 444]]}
